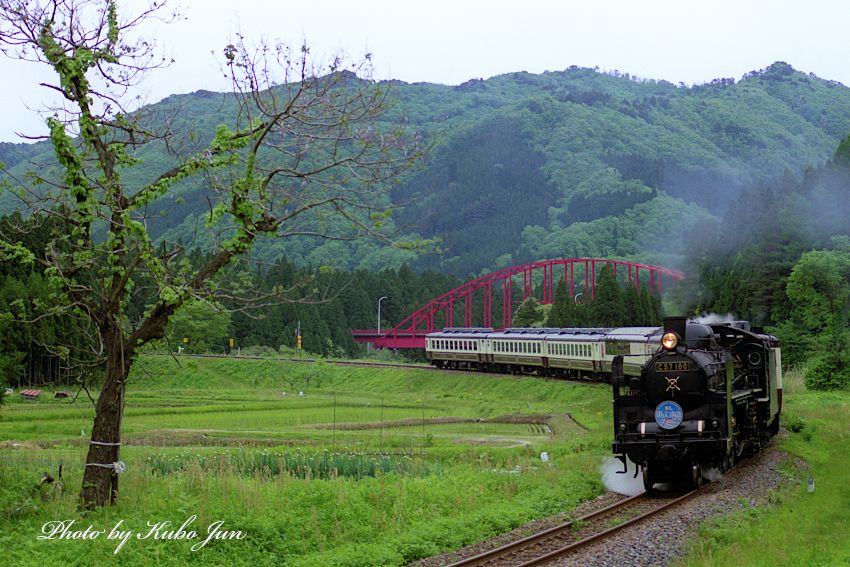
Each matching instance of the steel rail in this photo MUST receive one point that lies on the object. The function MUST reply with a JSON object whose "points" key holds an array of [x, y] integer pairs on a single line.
{"points": [[610, 531], [491, 556], [494, 554]]}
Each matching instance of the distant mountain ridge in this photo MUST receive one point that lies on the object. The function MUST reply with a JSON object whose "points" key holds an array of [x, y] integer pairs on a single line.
{"points": [[566, 163]]}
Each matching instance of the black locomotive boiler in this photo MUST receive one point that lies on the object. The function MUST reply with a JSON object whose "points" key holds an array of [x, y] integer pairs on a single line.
{"points": [[712, 393]]}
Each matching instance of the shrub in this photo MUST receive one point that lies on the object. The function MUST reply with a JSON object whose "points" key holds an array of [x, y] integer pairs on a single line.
{"points": [[259, 350], [794, 424], [828, 372]]}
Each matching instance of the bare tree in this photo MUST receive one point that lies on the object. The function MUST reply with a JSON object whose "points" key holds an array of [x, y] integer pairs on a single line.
{"points": [[303, 155]]}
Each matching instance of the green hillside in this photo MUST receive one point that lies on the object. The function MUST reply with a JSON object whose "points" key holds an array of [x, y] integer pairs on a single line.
{"points": [[524, 166]]}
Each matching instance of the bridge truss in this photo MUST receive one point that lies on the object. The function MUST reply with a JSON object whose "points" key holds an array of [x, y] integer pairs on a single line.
{"points": [[494, 294]]}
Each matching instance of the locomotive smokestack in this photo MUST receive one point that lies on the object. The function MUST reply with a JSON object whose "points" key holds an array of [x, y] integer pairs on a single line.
{"points": [[676, 325]]}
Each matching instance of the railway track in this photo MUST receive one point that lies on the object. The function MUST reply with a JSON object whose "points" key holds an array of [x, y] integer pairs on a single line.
{"points": [[345, 363], [562, 540], [306, 360]]}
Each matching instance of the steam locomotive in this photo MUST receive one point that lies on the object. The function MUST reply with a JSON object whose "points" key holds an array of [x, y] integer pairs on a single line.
{"points": [[687, 398], [711, 394]]}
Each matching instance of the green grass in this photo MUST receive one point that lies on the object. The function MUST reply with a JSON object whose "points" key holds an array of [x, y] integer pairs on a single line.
{"points": [[414, 465], [417, 463], [800, 528]]}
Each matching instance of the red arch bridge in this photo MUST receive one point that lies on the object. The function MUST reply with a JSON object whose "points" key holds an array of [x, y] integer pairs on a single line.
{"points": [[480, 301]]}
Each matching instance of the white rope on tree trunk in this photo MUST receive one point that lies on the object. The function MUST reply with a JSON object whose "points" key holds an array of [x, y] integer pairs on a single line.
{"points": [[118, 466]]}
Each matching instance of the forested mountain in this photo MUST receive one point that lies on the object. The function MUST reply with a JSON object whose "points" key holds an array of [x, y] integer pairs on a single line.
{"points": [[524, 166]]}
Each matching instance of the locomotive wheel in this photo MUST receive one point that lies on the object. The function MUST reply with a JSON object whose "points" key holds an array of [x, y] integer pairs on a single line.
{"points": [[648, 481], [696, 475], [774, 426], [728, 462]]}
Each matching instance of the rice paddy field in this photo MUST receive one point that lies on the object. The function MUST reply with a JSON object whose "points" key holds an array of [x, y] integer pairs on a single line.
{"points": [[315, 464], [321, 465]]}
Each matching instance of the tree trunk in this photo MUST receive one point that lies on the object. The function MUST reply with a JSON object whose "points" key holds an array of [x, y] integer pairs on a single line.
{"points": [[100, 479]]}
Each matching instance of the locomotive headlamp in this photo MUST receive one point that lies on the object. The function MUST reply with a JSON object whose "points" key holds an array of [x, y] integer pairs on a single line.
{"points": [[670, 340]]}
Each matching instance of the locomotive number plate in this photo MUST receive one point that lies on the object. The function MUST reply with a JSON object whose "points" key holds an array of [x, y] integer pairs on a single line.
{"points": [[672, 366]]}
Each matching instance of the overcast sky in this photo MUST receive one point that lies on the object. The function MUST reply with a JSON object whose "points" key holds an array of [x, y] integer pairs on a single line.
{"points": [[449, 42]]}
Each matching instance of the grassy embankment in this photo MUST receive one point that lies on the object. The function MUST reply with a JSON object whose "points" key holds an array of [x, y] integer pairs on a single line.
{"points": [[220, 440], [801, 528]]}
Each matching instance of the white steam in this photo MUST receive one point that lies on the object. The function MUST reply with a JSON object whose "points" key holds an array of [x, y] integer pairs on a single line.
{"points": [[712, 475], [626, 484], [714, 318], [629, 485]]}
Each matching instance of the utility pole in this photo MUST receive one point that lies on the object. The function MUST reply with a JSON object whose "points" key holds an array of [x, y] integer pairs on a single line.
{"points": [[379, 313], [298, 338]]}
